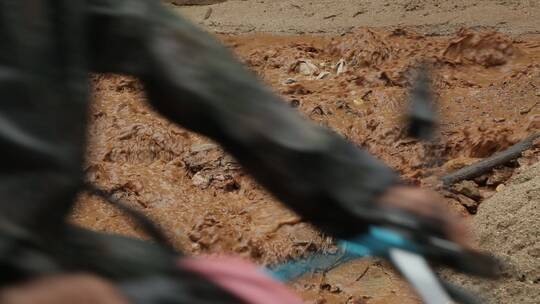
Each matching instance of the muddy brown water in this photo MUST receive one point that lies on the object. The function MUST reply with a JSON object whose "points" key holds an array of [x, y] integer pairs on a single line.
{"points": [[488, 90]]}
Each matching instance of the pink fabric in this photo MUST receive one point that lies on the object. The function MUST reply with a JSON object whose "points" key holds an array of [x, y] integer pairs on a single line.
{"points": [[242, 279]]}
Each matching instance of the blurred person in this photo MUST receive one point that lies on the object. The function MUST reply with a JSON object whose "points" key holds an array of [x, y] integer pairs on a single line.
{"points": [[49, 47]]}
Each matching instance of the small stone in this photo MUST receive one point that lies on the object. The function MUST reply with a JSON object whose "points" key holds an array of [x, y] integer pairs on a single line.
{"points": [[194, 236], [470, 204], [500, 188], [200, 180], [305, 67], [296, 89], [469, 189], [323, 75], [289, 81], [295, 103], [317, 110], [534, 123], [481, 180], [499, 176], [341, 66], [203, 148]]}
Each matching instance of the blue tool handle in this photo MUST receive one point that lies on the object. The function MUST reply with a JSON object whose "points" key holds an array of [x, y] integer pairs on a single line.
{"points": [[377, 242]]}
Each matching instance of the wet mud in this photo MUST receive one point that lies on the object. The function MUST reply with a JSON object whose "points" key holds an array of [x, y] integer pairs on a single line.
{"points": [[488, 93]]}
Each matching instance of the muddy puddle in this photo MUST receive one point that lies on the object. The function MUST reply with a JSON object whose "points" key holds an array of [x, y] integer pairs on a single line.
{"points": [[488, 91]]}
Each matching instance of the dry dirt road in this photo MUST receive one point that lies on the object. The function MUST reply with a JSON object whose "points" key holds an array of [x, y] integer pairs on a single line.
{"points": [[339, 16]]}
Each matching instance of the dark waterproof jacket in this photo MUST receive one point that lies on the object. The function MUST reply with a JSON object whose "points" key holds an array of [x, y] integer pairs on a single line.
{"points": [[49, 47]]}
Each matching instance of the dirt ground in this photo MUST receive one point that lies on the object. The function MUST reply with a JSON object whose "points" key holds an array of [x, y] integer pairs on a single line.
{"points": [[339, 16], [488, 89], [508, 225]]}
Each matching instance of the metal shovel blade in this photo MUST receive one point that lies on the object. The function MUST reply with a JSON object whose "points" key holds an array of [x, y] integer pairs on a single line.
{"points": [[418, 272]]}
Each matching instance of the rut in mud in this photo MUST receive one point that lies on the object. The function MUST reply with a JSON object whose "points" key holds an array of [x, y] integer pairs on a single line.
{"points": [[488, 90]]}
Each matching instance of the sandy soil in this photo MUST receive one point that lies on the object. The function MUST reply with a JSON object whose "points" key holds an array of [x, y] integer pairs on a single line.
{"points": [[507, 225], [487, 84], [339, 16]]}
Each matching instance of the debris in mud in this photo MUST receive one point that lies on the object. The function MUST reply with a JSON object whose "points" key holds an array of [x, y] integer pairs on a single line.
{"points": [[296, 89], [208, 165], [203, 148], [364, 48], [201, 180], [304, 67], [484, 48], [499, 176], [488, 164], [341, 67], [289, 81], [318, 110], [295, 103], [534, 123], [467, 202], [469, 189]]}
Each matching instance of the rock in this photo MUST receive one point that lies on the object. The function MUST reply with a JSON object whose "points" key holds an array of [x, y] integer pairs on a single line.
{"points": [[499, 176], [363, 48], [341, 66], [469, 189], [295, 103], [201, 180], [534, 123], [229, 163], [470, 204], [203, 147], [305, 67], [482, 179], [289, 81], [296, 89], [318, 110], [500, 188]]}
